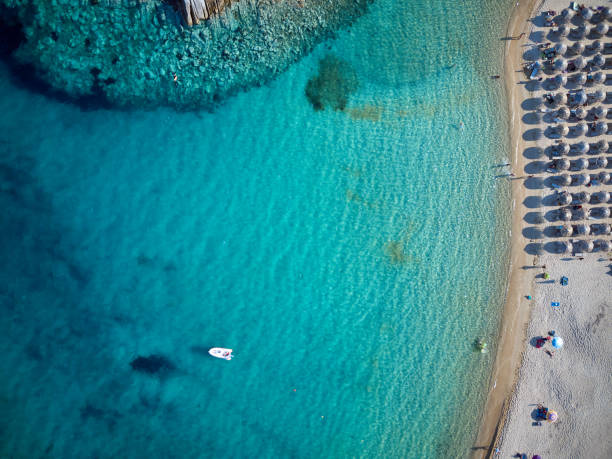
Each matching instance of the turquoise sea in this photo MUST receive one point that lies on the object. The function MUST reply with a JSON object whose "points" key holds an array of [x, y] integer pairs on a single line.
{"points": [[350, 258]]}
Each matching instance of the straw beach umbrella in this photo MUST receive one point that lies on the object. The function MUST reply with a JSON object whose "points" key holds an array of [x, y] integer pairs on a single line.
{"points": [[580, 97], [563, 113], [578, 47], [581, 214], [596, 46], [563, 180], [582, 147], [602, 28], [563, 148], [583, 229], [586, 13], [581, 128], [567, 14], [581, 164], [582, 197], [601, 197], [599, 78], [599, 60], [564, 30], [567, 247], [561, 129], [599, 111], [601, 128], [580, 78], [605, 229], [604, 246], [606, 12], [560, 64], [604, 177], [601, 162], [601, 146], [565, 230], [601, 212], [565, 214], [560, 80], [599, 95], [580, 113], [562, 164], [560, 48], [582, 179], [588, 246], [580, 62]]}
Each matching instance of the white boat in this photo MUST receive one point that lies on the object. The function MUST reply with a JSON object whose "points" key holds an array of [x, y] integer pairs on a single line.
{"points": [[221, 353]]}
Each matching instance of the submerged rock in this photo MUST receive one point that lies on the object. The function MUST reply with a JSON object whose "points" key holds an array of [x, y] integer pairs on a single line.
{"points": [[333, 85], [142, 53], [153, 364]]}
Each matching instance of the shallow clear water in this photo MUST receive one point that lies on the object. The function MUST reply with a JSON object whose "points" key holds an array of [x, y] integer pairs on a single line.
{"points": [[349, 258]]}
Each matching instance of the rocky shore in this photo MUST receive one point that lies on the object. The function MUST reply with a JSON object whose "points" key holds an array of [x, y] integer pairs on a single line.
{"points": [[143, 53]]}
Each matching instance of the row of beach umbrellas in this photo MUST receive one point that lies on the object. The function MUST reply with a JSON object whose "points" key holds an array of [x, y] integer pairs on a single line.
{"points": [[580, 164], [562, 129], [586, 14], [583, 213], [583, 197], [582, 179], [582, 147], [578, 47], [560, 64], [577, 98], [583, 30], [564, 113], [561, 79], [583, 245]]}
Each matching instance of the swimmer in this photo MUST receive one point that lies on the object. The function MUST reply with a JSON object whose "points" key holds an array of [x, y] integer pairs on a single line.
{"points": [[461, 125], [175, 78]]}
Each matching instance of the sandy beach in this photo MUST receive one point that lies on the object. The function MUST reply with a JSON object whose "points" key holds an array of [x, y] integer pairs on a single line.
{"points": [[575, 381]]}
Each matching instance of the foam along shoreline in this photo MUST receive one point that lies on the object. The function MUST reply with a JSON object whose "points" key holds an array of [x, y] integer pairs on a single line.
{"points": [[575, 382]]}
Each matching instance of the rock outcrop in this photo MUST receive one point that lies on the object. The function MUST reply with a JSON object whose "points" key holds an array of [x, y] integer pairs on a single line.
{"points": [[194, 11]]}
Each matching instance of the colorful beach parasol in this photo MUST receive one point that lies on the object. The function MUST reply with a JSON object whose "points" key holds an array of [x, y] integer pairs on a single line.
{"points": [[551, 416]]}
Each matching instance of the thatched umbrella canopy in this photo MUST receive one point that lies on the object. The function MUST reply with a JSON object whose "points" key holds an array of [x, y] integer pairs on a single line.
{"points": [[560, 80], [578, 47], [565, 230], [582, 197], [565, 214], [601, 162], [604, 228], [602, 28], [562, 129], [599, 78], [604, 177], [562, 164], [599, 60], [583, 229], [601, 128], [567, 14], [563, 113], [560, 64], [580, 98], [586, 13], [564, 30], [601, 197], [567, 247], [582, 147], [580, 62], [560, 48], [563, 199], [603, 212], [596, 46], [604, 245], [581, 164], [599, 111], [579, 78], [601, 146], [582, 179], [580, 113], [582, 31], [563, 179], [581, 128], [606, 12], [599, 95], [588, 246], [562, 148], [581, 214]]}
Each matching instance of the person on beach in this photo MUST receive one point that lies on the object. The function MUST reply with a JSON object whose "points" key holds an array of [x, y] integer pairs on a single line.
{"points": [[518, 37]]}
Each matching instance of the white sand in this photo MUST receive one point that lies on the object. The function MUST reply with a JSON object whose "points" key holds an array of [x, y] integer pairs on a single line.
{"points": [[577, 381]]}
